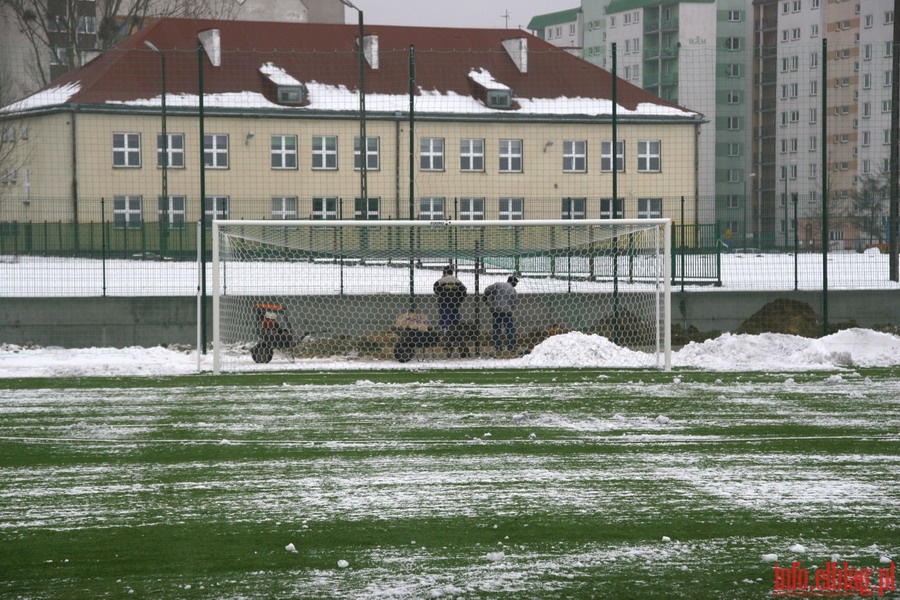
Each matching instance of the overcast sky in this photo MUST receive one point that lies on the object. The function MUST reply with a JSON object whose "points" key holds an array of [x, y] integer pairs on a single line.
{"points": [[456, 13]]}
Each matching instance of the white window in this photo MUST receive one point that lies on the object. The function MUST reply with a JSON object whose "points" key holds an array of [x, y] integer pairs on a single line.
{"points": [[431, 154], [606, 156], [888, 17], [510, 156], [471, 155], [733, 43], [574, 156], [733, 123], [813, 169], [866, 110], [87, 25], [732, 201], [324, 152], [431, 209], [574, 208], [735, 149], [867, 51], [284, 151], [216, 208], [368, 209], [606, 208], [813, 115], [127, 212], [215, 151], [284, 207], [59, 56], [171, 211], [649, 155], [866, 138], [814, 30], [734, 97], [867, 81], [795, 33], [471, 209], [649, 208], [324, 208], [813, 60], [126, 150], [511, 209], [733, 70], [868, 21], [814, 4], [170, 156], [813, 143], [735, 16], [814, 87], [373, 154], [734, 175]]}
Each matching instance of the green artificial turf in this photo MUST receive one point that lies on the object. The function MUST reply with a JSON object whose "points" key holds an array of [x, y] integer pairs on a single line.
{"points": [[445, 484]]}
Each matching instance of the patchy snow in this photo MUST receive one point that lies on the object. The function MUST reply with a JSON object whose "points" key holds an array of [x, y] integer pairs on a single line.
{"points": [[729, 352], [277, 75], [49, 97], [484, 78]]}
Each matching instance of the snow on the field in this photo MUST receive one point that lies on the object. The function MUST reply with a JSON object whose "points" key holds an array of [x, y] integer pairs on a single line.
{"points": [[729, 352]]}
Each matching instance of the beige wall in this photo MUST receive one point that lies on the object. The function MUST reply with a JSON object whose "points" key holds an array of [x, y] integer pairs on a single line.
{"points": [[250, 182]]}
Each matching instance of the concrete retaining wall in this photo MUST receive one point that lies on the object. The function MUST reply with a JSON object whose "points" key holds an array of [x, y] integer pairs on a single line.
{"points": [[151, 321]]}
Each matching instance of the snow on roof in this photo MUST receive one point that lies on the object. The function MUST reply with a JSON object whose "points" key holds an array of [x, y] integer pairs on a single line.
{"points": [[49, 97], [325, 58], [277, 75], [484, 78]]}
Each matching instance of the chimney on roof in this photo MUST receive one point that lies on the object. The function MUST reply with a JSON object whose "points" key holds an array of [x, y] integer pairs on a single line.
{"points": [[370, 50], [517, 48], [211, 41]]}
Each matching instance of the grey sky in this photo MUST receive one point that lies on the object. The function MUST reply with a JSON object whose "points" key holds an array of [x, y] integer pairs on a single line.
{"points": [[487, 14]]}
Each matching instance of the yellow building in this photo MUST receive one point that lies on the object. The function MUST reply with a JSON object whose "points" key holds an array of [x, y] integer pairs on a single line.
{"points": [[498, 125]]}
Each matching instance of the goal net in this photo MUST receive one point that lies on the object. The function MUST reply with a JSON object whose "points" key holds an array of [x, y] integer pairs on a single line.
{"points": [[295, 292]]}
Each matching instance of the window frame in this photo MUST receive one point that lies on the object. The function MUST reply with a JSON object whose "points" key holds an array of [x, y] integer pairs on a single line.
{"points": [[281, 208], [215, 154], [606, 156], [471, 159], [511, 155], [324, 208], [169, 213], [373, 154], [127, 215], [324, 153], [511, 209], [126, 147], [432, 208], [284, 153], [649, 161], [170, 153], [575, 158], [471, 209], [432, 154]]}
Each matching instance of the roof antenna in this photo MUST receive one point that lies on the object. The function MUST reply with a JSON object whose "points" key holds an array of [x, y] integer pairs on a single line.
{"points": [[505, 15]]}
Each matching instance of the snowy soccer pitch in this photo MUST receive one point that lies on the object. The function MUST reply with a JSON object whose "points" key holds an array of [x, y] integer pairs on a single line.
{"points": [[439, 484]]}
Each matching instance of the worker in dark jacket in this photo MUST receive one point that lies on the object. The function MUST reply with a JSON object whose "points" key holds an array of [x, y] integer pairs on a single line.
{"points": [[450, 292]]}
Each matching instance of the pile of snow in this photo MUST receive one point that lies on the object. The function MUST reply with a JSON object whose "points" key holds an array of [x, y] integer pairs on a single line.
{"points": [[729, 352]]}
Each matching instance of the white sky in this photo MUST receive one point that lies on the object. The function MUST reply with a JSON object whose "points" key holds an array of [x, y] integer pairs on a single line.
{"points": [[487, 14]]}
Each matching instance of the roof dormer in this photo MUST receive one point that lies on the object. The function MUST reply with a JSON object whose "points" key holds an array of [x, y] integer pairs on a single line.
{"points": [[490, 91], [287, 89]]}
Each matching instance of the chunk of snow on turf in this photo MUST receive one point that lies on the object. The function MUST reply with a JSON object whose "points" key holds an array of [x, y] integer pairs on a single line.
{"points": [[343, 564], [495, 556], [291, 548], [885, 560], [662, 419], [798, 548], [769, 557], [666, 538]]}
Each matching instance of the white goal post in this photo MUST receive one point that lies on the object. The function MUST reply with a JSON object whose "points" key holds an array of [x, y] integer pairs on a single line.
{"points": [[320, 291]]}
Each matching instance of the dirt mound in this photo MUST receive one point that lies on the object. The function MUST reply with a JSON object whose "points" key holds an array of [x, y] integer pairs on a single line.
{"points": [[784, 316]]}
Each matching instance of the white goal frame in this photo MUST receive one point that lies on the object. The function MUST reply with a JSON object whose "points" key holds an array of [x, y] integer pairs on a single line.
{"points": [[664, 303]]}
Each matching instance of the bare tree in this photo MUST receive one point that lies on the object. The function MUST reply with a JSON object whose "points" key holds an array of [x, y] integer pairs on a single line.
{"points": [[64, 34]]}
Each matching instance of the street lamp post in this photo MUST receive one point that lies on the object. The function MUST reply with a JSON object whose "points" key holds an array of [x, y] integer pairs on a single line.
{"points": [[164, 135], [363, 140], [746, 209]]}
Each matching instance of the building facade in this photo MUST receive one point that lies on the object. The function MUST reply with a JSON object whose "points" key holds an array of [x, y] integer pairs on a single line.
{"points": [[524, 134]]}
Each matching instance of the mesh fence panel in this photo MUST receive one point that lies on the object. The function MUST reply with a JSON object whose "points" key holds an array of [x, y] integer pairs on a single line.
{"points": [[403, 291]]}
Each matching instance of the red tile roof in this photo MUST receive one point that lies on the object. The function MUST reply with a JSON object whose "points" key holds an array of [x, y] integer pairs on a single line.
{"points": [[328, 54]]}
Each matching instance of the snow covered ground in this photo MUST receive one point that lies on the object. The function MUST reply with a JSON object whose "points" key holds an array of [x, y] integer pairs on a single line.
{"points": [[729, 352]]}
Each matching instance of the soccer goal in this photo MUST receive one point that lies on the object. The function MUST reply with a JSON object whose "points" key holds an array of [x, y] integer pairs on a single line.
{"points": [[352, 291]]}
